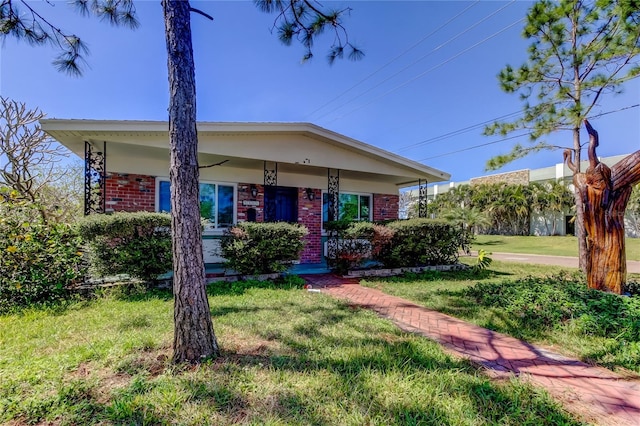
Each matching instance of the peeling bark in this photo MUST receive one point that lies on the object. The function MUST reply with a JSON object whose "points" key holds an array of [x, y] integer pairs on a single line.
{"points": [[605, 193]]}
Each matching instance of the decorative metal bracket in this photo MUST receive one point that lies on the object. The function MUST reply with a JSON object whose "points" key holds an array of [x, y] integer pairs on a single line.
{"points": [[333, 208], [333, 195], [422, 198], [270, 185], [95, 171]]}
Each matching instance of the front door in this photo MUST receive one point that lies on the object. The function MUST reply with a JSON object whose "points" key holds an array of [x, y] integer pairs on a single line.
{"points": [[281, 204]]}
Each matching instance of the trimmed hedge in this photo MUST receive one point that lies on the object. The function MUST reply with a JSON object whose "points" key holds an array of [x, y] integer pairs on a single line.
{"points": [[420, 242], [402, 243], [137, 244], [253, 248]]}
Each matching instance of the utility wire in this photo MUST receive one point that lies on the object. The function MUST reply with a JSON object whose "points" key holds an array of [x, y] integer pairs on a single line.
{"points": [[475, 146], [429, 70], [455, 132], [521, 135], [617, 110], [460, 34], [416, 44]]}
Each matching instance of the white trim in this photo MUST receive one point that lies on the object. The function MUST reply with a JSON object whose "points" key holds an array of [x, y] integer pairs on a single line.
{"points": [[144, 133]]}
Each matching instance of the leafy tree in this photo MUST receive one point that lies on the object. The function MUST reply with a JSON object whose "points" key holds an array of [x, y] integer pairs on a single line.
{"points": [[305, 20], [581, 50], [31, 163]]}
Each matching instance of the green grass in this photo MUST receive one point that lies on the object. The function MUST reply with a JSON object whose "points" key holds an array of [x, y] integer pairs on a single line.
{"points": [[540, 304], [553, 246], [288, 357]]}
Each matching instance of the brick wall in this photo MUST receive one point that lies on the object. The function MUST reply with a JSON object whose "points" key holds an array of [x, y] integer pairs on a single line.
{"points": [[310, 215], [385, 206], [130, 193], [244, 194]]}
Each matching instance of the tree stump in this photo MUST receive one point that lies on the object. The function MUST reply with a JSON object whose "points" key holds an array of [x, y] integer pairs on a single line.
{"points": [[605, 193]]}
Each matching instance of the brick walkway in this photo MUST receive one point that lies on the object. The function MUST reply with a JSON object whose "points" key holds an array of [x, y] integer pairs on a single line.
{"points": [[595, 394]]}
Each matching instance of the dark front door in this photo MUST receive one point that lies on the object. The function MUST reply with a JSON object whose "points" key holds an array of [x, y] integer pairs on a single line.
{"points": [[281, 204]]}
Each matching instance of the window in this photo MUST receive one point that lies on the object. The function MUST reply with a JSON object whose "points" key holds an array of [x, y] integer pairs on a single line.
{"points": [[351, 206], [217, 202]]}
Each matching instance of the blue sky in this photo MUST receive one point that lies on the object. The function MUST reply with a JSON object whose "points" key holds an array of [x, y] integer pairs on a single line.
{"points": [[430, 70]]}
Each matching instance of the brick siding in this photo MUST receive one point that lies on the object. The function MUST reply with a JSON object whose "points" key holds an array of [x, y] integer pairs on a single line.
{"points": [[130, 193], [385, 206], [244, 194], [310, 215]]}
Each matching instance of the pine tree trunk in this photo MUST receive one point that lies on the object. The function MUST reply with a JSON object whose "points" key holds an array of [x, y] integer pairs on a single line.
{"points": [[194, 338]]}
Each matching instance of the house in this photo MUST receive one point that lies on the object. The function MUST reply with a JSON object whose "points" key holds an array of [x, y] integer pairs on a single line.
{"points": [[294, 172], [557, 172]]}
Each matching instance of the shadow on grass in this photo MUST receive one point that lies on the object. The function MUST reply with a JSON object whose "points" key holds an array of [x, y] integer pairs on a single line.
{"points": [[323, 363], [489, 243], [465, 275]]}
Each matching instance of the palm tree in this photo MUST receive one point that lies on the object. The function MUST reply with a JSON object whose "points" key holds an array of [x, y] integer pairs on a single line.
{"points": [[471, 218]]}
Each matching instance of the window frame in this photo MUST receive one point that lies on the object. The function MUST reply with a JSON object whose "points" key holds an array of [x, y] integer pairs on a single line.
{"points": [[211, 228], [359, 194]]}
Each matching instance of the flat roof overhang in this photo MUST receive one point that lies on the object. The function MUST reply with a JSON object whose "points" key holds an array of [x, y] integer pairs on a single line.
{"points": [[301, 148]]}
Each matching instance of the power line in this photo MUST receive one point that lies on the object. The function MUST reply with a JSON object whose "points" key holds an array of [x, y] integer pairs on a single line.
{"points": [[454, 133], [617, 110], [395, 58], [476, 146], [450, 40], [429, 70], [521, 135]]}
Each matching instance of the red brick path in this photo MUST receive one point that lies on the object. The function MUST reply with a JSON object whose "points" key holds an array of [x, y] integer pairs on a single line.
{"points": [[593, 393]]}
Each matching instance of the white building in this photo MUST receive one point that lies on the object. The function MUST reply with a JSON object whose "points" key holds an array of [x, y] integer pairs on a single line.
{"points": [[559, 171]]}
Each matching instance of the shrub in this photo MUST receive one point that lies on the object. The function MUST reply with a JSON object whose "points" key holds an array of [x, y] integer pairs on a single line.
{"points": [[137, 244], [355, 243], [38, 261], [537, 304], [418, 242], [253, 248]]}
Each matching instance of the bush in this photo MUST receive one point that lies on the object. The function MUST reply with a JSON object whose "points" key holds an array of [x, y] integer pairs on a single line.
{"points": [[38, 261], [537, 304], [137, 244], [419, 242], [253, 248], [355, 243]]}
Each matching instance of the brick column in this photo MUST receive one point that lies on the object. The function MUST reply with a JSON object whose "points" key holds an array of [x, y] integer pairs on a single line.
{"points": [[310, 215]]}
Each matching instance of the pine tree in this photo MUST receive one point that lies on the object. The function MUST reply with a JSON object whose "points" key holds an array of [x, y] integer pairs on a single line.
{"points": [[580, 52], [304, 20]]}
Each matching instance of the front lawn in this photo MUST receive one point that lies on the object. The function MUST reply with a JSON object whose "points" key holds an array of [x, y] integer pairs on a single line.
{"points": [[540, 304], [552, 246], [289, 357]]}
